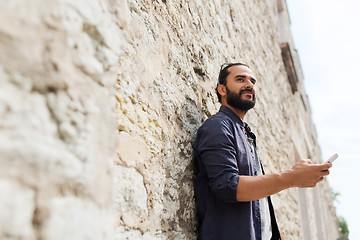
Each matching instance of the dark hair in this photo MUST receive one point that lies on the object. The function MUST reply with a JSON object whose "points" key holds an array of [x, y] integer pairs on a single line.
{"points": [[223, 75]]}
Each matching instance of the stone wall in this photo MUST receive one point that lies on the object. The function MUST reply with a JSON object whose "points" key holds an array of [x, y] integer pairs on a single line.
{"points": [[100, 102], [58, 66]]}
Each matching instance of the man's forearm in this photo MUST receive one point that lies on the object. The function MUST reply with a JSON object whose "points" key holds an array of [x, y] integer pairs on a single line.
{"points": [[252, 188], [303, 174]]}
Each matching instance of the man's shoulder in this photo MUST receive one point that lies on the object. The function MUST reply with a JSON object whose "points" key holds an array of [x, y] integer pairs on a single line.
{"points": [[217, 129], [218, 121]]}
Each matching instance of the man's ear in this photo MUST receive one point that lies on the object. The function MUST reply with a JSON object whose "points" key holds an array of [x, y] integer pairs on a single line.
{"points": [[222, 90]]}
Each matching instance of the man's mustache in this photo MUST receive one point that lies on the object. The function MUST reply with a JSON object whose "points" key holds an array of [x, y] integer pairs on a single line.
{"points": [[246, 90]]}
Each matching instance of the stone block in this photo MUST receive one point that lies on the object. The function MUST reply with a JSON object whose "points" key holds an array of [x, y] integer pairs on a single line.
{"points": [[124, 233], [17, 204], [73, 218], [130, 196], [121, 11], [132, 151]]}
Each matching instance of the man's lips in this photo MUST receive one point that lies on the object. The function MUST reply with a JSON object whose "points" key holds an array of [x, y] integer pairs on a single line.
{"points": [[247, 92]]}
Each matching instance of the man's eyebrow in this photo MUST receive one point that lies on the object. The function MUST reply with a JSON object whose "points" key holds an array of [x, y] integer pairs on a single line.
{"points": [[244, 76]]}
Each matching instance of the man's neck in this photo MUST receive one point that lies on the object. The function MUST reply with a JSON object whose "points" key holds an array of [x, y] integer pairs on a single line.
{"points": [[237, 111]]}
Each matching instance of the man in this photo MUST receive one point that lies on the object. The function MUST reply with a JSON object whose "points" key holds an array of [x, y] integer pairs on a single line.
{"points": [[232, 192]]}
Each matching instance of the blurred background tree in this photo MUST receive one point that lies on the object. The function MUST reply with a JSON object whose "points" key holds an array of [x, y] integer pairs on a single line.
{"points": [[343, 228]]}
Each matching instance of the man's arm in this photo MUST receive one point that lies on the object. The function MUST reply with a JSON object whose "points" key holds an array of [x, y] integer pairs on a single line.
{"points": [[303, 174]]}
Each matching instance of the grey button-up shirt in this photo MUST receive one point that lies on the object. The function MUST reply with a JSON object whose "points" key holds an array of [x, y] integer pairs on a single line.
{"points": [[222, 154]]}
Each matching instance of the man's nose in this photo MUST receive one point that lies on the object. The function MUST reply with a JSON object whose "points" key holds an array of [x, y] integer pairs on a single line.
{"points": [[249, 84]]}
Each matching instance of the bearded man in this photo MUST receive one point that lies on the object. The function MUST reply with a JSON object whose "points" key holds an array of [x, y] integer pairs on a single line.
{"points": [[232, 191]]}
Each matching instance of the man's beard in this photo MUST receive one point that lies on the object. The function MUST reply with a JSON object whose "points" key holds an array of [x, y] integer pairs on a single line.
{"points": [[234, 100]]}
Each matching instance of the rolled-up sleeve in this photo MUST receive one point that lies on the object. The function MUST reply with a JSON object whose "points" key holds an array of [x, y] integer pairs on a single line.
{"points": [[217, 153]]}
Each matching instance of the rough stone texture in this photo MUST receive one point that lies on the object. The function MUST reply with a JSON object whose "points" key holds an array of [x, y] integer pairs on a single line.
{"points": [[131, 196], [62, 63], [17, 208], [75, 218], [58, 132]]}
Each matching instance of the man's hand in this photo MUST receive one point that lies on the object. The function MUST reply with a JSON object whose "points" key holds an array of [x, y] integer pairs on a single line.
{"points": [[305, 174]]}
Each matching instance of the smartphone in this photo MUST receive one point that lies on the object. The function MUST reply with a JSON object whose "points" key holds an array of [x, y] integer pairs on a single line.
{"points": [[332, 158]]}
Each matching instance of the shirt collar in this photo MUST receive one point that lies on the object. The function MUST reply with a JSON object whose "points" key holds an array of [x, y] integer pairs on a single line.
{"points": [[232, 115], [237, 119]]}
